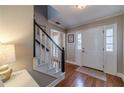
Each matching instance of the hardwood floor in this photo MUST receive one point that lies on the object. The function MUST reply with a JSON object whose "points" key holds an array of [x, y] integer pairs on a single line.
{"points": [[77, 79]]}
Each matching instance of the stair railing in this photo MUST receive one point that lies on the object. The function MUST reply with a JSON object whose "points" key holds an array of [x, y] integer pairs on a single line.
{"points": [[38, 30]]}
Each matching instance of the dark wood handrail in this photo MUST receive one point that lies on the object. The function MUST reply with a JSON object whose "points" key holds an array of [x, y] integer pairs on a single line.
{"points": [[62, 50], [35, 23]]}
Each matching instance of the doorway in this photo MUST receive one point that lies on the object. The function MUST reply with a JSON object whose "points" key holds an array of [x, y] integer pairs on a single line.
{"points": [[97, 48]]}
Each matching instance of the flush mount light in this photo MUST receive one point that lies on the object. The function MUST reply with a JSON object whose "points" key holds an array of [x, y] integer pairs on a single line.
{"points": [[80, 6]]}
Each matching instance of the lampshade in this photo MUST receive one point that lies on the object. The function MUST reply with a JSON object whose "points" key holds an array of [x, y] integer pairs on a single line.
{"points": [[7, 54]]}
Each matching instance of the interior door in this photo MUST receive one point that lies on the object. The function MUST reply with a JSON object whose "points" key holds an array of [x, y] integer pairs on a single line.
{"points": [[92, 48]]}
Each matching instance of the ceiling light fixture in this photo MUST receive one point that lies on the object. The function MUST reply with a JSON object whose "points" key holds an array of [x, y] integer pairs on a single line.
{"points": [[80, 6]]}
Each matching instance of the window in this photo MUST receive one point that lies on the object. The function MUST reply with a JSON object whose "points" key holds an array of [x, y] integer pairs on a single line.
{"points": [[109, 39], [79, 41]]}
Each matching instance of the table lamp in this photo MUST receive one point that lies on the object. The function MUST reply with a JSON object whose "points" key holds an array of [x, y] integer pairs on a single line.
{"points": [[7, 56]]}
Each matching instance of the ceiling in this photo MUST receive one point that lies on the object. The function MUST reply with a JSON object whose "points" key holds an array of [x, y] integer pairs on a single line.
{"points": [[70, 17]]}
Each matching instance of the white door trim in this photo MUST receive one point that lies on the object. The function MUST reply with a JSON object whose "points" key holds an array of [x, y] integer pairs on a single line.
{"points": [[115, 49], [115, 44], [78, 51]]}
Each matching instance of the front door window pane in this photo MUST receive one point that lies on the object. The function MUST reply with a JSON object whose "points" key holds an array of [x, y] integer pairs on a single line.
{"points": [[109, 47], [109, 32], [109, 39], [79, 41]]}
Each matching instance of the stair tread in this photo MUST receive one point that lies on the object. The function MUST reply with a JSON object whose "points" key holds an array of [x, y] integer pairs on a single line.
{"points": [[57, 72], [51, 68]]}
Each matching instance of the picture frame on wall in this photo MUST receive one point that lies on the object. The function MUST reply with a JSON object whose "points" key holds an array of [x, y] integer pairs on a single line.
{"points": [[71, 38]]}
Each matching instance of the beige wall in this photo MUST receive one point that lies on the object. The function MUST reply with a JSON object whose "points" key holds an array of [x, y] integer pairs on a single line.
{"points": [[16, 26], [123, 43], [112, 20]]}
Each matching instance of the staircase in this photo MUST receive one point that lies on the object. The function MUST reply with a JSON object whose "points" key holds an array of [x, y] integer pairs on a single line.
{"points": [[48, 56]]}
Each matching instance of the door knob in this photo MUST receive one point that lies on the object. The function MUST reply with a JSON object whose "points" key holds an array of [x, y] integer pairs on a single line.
{"points": [[83, 50]]}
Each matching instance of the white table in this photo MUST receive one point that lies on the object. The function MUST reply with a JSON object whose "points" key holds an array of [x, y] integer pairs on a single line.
{"points": [[21, 79]]}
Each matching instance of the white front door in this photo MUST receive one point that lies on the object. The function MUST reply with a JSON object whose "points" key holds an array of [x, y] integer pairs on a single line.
{"points": [[92, 48], [97, 48]]}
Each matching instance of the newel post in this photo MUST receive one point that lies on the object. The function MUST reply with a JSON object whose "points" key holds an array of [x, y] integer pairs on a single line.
{"points": [[63, 60]]}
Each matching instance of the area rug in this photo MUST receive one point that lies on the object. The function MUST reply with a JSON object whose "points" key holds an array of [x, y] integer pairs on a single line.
{"points": [[91, 72]]}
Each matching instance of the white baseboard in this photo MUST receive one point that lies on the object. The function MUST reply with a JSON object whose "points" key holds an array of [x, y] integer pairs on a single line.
{"points": [[121, 76], [58, 80], [72, 62]]}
